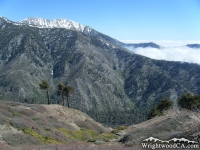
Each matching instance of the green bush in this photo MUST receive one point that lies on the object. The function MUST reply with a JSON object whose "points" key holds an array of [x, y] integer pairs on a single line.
{"points": [[189, 101], [121, 127], [82, 134], [158, 109], [116, 130], [164, 104], [107, 136], [92, 140], [43, 139]]}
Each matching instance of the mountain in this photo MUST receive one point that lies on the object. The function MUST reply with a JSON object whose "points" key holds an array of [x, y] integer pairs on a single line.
{"points": [[140, 45], [66, 24], [58, 23], [111, 84], [193, 45], [71, 25]]}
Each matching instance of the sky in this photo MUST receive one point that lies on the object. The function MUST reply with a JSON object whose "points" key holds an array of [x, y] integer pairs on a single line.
{"points": [[169, 23], [149, 20]]}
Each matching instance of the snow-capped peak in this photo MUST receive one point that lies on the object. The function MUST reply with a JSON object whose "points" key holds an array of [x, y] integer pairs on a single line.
{"points": [[57, 23], [5, 19]]}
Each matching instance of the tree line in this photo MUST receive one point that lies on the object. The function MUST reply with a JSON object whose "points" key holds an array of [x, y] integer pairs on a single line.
{"points": [[62, 90], [186, 101]]}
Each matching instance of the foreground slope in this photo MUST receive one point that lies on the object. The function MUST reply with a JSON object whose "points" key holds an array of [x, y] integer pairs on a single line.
{"points": [[29, 124], [174, 124], [111, 84], [34, 126]]}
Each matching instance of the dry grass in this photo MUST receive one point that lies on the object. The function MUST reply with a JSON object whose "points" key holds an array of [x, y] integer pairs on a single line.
{"points": [[45, 124], [182, 123], [39, 124]]}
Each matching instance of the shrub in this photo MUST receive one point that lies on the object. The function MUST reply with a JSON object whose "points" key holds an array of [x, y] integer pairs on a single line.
{"points": [[20, 122], [7, 107], [38, 108], [68, 133], [189, 101], [5, 112], [92, 140], [19, 138], [41, 121], [121, 127], [43, 139], [164, 104], [107, 136], [154, 112], [116, 130], [15, 114], [88, 124], [4, 120], [82, 134], [27, 112]]}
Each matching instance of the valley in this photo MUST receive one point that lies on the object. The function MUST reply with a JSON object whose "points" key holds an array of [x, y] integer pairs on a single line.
{"points": [[111, 84]]}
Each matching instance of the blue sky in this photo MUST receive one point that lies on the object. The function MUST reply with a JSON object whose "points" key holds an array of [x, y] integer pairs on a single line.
{"points": [[121, 19]]}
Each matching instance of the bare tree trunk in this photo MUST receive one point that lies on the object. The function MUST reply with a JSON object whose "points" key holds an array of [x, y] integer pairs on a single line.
{"points": [[63, 99], [68, 101], [48, 97]]}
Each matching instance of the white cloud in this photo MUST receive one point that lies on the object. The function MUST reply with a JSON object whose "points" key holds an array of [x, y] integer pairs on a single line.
{"points": [[172, 51]]}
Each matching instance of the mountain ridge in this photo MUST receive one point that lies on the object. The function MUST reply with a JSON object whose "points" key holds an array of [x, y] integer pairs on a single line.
{"points": [[56, 23], [108, 79], [193, 45], [72, 25]]}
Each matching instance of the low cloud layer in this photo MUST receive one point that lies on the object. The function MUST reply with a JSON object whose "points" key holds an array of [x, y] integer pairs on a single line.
{"points": [[172, 51]]}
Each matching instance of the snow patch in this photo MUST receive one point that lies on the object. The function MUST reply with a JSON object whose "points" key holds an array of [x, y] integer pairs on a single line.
{"points": [[57, 23]]}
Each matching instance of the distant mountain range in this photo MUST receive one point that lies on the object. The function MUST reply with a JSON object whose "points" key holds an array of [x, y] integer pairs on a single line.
{"points": [[71, 25], [193, 45], [112, 84]]}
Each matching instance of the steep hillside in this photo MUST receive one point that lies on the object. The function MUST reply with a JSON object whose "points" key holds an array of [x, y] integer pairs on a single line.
{"points": [[111, 84]]}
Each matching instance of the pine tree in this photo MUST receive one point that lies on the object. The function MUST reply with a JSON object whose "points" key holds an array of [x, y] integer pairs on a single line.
{"points": [[60, 91], [45, 86], [189, 101], [67, 91], [64, 90], [158, 109]]}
